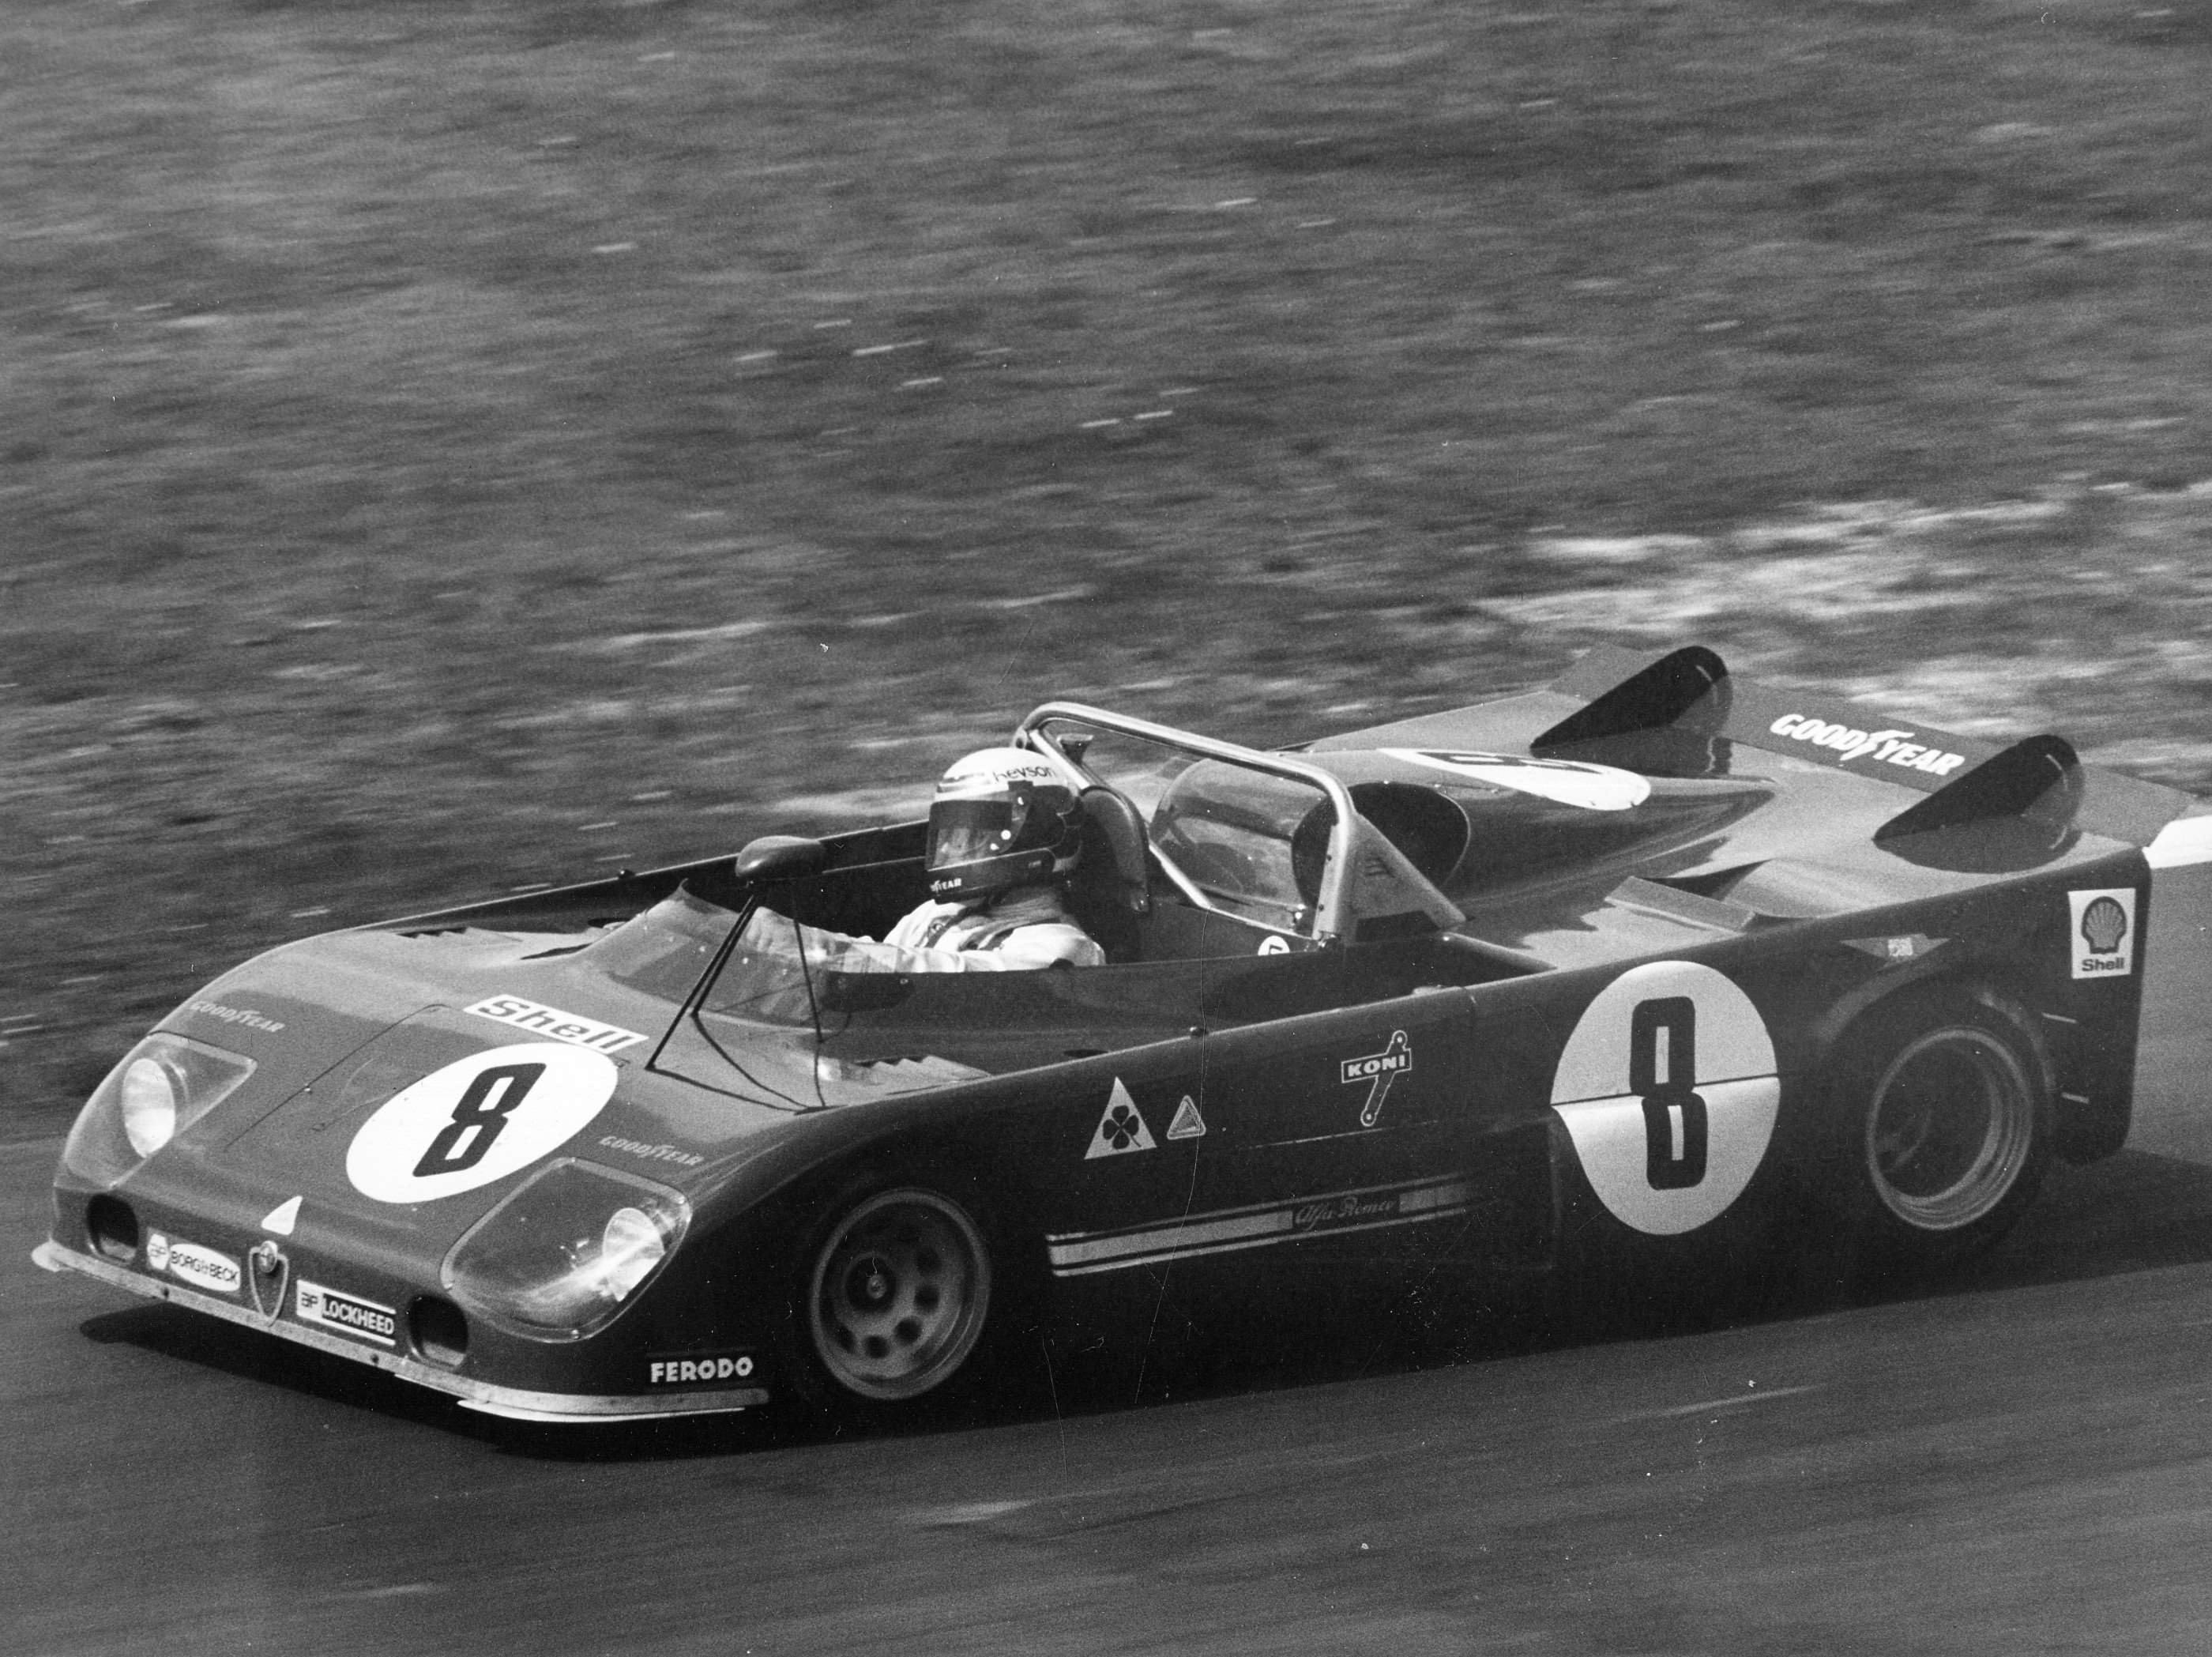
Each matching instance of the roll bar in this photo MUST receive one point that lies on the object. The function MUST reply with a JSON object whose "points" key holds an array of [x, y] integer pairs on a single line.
{"points": [[1332, 918]]}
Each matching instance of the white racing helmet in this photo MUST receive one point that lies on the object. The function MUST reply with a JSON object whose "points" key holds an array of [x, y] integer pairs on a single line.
{"points": [[1001, 817]]}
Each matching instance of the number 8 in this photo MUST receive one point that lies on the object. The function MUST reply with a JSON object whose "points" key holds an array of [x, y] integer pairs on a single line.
{"points": [[1662, 1036], [478, 1117]]}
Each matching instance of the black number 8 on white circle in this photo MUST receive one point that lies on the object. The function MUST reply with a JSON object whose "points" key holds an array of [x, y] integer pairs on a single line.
{"points": [[1668, 1091], [478, 1120], [1662, 1068]]}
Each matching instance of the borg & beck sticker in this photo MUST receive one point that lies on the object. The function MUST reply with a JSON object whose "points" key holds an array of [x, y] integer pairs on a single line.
{"points": [[2103, 932], [1668, 1089], [349, 1314], [202, 1268], [478, 1120]]}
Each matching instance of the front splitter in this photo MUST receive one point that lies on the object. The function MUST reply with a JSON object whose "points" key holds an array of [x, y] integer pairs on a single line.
{"points": [[512, 1403]]}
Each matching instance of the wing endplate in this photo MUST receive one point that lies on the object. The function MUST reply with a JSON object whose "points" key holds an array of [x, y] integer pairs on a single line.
{"points": [[1662, 720], [2038, 780]]}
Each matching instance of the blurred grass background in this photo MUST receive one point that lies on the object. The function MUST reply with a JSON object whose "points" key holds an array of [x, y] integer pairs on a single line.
{"points": [[455, 444]]}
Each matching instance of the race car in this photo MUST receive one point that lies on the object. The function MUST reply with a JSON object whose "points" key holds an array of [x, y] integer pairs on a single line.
{"points": [[1650, 969]]}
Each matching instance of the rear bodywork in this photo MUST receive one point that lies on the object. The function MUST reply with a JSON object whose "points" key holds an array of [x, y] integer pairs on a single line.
{"points": [[1429, 992]]}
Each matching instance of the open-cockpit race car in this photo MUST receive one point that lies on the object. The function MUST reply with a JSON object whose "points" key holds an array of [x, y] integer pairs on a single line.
{"points": [[1645, 969]]}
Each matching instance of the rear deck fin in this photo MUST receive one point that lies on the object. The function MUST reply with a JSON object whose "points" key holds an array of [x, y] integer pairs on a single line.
{"points": [[1653, 699], [2037, 780]]}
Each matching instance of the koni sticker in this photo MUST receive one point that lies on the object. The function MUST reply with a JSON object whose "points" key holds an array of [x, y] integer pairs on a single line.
{"points": [[478, 1120], [2103, 932], [1378, 1071], [1668, 1091], [1121, 1128]]}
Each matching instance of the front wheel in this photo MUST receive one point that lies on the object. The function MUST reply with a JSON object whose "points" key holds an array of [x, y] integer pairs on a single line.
{"points": [[896, 1294], [1942, 1128]]}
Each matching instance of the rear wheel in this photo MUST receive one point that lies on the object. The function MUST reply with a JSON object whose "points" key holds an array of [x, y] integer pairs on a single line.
{"points": [[897, 1295], [1941, 1130]]}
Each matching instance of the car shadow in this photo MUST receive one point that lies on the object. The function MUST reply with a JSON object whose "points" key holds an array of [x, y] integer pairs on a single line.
{"points": [[2131, 1212]]}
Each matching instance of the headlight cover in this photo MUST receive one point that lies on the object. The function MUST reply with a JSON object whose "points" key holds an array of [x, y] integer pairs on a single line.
{"points": [[562, 1255], [161, 1086]]}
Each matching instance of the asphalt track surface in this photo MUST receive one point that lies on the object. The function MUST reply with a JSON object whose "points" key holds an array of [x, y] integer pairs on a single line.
{"points": [[2021, 1463]]}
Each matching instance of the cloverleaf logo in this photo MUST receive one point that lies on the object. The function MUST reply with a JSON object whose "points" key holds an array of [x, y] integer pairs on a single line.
{"points": [[1121, 1128]]}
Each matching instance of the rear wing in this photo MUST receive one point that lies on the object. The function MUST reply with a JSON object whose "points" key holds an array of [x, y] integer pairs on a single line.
{"points": [[1680, 714], [1691, 691]]}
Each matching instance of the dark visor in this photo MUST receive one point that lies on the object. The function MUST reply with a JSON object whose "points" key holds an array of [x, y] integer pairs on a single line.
{"points": [[963, 830]]}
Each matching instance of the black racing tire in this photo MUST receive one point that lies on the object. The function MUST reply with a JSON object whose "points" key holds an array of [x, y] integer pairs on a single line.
{"points": [[1939, 1130], [895, 1292]]}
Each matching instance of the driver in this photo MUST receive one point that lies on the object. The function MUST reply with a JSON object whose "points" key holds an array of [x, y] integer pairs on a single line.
{"points": [[1005, 832]]}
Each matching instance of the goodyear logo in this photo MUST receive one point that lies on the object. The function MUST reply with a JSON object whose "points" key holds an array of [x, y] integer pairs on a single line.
{"points": [[1889, 747]]}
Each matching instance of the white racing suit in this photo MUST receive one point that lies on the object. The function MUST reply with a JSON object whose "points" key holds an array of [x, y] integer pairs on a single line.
{"points": [[1025, 927]]}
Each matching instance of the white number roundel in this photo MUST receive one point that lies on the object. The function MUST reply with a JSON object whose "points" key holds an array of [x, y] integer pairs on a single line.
{"points": [[1668, 1089], [478, 1120], [1569, 782]]}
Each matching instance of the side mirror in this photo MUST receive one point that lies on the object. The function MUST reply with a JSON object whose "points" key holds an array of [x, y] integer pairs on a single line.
{"points": [[779, 857]]}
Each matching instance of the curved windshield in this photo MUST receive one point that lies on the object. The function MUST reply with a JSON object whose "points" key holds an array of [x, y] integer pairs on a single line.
{"points": [[767, 979], [1254, 842], [663, 951]]}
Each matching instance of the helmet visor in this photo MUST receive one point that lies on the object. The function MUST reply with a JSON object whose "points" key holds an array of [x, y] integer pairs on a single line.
{"points": [[968, 831]]}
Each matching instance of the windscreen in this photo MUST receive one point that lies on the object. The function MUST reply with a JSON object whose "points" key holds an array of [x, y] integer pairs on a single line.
{"points": [[663, 950]]}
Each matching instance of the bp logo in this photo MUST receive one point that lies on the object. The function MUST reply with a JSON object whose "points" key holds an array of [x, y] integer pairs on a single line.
{"points": [[2104, 932], [1668, 1091], [478, 1120]]}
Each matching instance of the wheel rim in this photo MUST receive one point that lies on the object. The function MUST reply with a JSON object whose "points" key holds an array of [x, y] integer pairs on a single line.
{"points": [[1951, 1126], [899, 1295]]}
